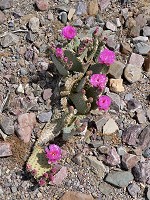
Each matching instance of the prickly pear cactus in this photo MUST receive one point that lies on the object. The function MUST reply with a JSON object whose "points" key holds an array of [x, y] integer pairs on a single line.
{"points": [[37, 163]]}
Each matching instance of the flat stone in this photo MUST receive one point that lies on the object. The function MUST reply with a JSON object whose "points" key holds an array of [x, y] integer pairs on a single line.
{"points": [[13, 189], [81, 8], [77, 159], [104, 4], [132, 73], [6, 4], [104, 149], [146, 31], [111, 42], [47, 93], [115, 101], [7, 125], [2, 17], [42, 5], [129, 161], [116, 70], [142, 48], [45, 116], [111, 26], [93, 7], [118, 23], [144, 137], [26, 123], [110, 127], [60, 176], [34, 24], [63, 17], [112, 158], [98, 165], [5, 149], [100, 122], [146, 153], [119, 179], [128, 96], [121, 151], [133, 190], [9, 39], [116, 85], [69, 195], [136, 60], [20, 89], [140, 39], [125, 13], [141, 116], [148, 113], [130, 135]]}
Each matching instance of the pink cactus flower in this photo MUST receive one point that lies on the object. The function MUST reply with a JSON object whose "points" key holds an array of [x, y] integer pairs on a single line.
{"points": [[106, 57], [42, 182], [69, 32], [53, 153], [59, 52], [104, 102], [98, 80]]}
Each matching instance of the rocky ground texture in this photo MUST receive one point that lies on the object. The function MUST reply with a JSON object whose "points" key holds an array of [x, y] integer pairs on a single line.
{"points": [[112, 161]]}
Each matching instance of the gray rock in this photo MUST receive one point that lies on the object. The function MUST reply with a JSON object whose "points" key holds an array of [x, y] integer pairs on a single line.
{"points": [[105, 188], [136, 60], [146, 31], [9, 39], [63, 17], [111, 42], [121, 151], [140, 39], [5, 149], [13, 189], [7, 125], [125, 13], [116, 70], [119, 179], [141, 116], [128, 96], [133, 190], [130, 135], [133, 104], [47, 93], [2, 17], [132, 73], [142, 48], [78, 22], [146, 153], [104, 149], [34, 24], [148, 113], [90, 21], [1, 191], [31, 36], [100, 122], [81, 8], [135, 31], [112, 159], [23, 71], [116, 101], [98, 165], [45, 116], [6, 4], [111, 26], [104, 4], [148, 193], [141, 20]]}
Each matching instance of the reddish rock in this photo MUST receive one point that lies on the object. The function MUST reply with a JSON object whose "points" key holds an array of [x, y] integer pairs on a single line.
{"points": [[130, 135], [136, 60], [26, 123], [47, 94], [144, 137], [5, 149], [129, 161], [42, 5], [76, 196], [112, 158], [60, 176], [147, 63]]}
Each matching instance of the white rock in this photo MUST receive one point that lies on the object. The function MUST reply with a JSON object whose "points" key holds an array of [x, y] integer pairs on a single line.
{"points": [[20, 89], [34, 24], [110, 127]]}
